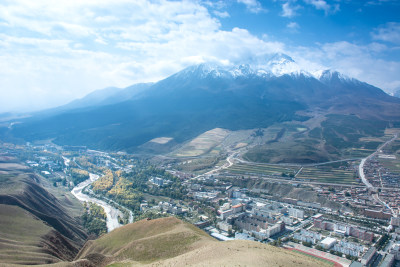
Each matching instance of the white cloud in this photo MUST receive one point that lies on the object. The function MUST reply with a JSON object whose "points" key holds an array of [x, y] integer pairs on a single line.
{"points": [[52, 52], [221, 14], [288, 10], [252, 5], [358, 61], [293, 25], [323, 5], [390, 32]]}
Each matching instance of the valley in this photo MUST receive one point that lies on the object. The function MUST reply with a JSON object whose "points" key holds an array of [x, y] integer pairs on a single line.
{"points": [[111, 212], [200, 133], [158, 172], [130, 187]]}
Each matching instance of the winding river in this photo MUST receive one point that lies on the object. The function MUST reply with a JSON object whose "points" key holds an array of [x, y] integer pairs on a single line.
{"points": [[112, 213]]}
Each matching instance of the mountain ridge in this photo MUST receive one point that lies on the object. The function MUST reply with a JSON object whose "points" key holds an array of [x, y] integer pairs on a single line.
{"points": [[207, 96], [36, 226]]}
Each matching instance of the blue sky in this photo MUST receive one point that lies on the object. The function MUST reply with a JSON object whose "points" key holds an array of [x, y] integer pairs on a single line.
{"points": [[52, 52]]}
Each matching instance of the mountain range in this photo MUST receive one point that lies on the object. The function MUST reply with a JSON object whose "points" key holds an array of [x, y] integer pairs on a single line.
{"points": [[255, 94]]}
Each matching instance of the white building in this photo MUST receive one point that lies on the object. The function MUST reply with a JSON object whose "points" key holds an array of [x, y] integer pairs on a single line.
{"points": [[296, 213], [307, 236], [224, 226], [349, 248], [328, 242]]}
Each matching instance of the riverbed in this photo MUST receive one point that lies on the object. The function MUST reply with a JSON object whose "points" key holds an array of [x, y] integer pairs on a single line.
{"points": [[112, 213]]}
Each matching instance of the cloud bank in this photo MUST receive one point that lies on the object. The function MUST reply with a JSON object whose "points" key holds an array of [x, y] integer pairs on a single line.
{"points": [[52, 52]]}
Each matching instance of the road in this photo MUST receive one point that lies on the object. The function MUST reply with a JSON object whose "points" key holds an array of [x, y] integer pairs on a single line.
{"points": [[365, 180], [112, 213], [229, 161], [361, 171], [361, 166]]}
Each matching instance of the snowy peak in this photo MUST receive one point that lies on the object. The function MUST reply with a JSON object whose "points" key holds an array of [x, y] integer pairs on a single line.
{"points": [[204, 70], [279, 59], [329, 76], [265, 66]]}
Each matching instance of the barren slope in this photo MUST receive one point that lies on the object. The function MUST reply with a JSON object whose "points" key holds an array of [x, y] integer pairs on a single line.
{"points": [[171, 242], [34, 226]]}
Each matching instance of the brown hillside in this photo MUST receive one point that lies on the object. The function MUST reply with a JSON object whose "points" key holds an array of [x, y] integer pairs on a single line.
{"points": [[171, 242], [35, 228]]}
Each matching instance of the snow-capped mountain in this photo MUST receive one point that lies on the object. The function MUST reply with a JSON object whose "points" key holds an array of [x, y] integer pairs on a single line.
{"points": [[266, 66], [251, 94]]}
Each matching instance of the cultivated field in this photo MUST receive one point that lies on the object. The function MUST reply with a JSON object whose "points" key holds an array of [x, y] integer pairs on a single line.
{"points": [[327, 175], [204, 143], [261, 169], [392, 164]]}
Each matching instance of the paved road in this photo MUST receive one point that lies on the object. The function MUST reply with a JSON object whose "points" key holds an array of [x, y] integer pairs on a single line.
{"points": [[361, 166], [229, 163], [112, 213], [365, 180]]}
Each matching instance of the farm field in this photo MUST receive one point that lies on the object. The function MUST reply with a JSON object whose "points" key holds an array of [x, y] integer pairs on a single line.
{"points": [[263, 169], [392, 164], [327, 175], [357, 152], [204, 143]]}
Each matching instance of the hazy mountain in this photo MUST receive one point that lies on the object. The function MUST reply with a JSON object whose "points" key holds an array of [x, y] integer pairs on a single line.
{"points": [[203, 97], [102, 97], [93, 98]]}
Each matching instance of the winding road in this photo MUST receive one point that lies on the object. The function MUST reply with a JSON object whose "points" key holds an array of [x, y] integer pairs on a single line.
{"points": [[361, 166], [224, 166], [365, 180]]}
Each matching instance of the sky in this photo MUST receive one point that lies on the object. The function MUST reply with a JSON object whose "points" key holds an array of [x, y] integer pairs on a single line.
{"points": [[52, 52]]}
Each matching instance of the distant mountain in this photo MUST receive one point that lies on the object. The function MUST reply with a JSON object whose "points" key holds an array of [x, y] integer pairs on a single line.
{"points": [[256, 94], [397, 93], [102, 97], [93, 99]]}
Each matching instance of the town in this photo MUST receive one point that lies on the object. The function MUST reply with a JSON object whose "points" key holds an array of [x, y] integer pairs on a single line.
{"points": [[350, 224]]}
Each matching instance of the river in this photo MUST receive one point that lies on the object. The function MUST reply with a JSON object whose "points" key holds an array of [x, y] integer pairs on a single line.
{"points": [[112, 213]]}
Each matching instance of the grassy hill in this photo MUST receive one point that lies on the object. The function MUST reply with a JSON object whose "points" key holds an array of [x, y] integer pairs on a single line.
{"points": [[171, 242], [35, 227]]}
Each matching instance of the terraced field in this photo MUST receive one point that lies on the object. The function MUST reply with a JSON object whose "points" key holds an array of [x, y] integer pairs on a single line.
{"points": [[324, 175], [392, 164], [358, 152], [262, 169]]}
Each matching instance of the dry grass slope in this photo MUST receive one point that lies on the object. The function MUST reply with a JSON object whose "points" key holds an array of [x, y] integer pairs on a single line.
{"points": [[202, 144], [171, 242], [147, 241], [34, 226]]}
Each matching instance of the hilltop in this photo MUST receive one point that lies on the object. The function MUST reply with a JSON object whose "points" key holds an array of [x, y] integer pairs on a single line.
{"points": [[172, 242]]}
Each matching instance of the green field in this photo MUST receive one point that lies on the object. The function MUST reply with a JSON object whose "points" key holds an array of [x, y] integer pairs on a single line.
{"points": [[262, 169], [327, 175], [392, 164], [322, 174], [357, 152]]}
